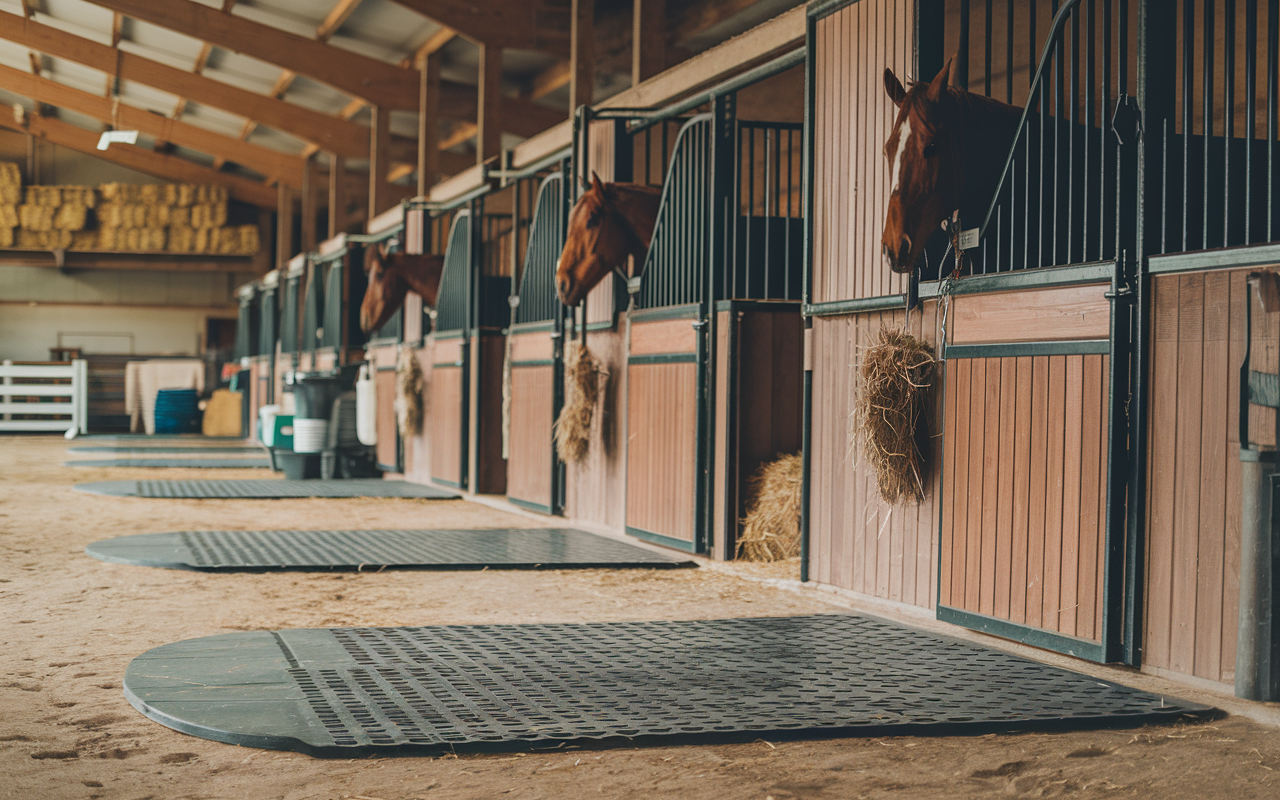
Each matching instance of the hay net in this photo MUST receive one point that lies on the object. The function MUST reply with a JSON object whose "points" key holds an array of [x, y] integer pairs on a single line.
{"points": [[410, 386], [888, 424], [584, 377]]}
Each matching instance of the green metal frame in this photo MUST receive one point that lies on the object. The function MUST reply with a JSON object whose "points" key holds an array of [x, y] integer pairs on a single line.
{"points": [[1074, 347]]}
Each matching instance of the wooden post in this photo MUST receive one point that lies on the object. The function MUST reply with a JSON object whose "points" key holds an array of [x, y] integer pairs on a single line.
{"points": [[262, 258], [582, 54], [429, 124], [489, 135], [648, 39], [308, 204], [337, 195], [379, 159], [284, 227]]}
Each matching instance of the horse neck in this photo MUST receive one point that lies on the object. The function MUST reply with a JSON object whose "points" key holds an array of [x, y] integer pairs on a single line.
{"points": [[989, 127], [638, 206], [421, 273]]}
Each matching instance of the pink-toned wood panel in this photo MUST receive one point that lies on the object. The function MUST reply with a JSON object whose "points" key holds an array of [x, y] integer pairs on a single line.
{"points": [[445, 420], [388, 431], [1193, 483], [449, 351], [595, 488], [667, 336], [1036, 315], [661, 448], [1024, 494], [529, 444], [859, 542], [853, 119], [533, 346]]}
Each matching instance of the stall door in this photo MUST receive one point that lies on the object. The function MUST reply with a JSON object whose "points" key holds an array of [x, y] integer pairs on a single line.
{"points": [[663, 432], [447, 401]]}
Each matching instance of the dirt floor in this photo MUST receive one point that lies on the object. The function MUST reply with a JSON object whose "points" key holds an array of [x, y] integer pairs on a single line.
{"points": [[70, 625]]}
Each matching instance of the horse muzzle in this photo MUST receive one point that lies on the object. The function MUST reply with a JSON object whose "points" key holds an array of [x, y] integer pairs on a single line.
{"points": [[898, 260]]}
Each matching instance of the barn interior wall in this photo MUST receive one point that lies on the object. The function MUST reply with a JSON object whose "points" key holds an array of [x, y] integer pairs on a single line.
{"points": [[60, 165], [119, 287], [27, 331]]}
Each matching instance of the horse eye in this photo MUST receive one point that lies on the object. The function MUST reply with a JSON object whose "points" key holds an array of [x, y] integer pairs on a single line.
{"points": [[930, 149], [594, 219]]}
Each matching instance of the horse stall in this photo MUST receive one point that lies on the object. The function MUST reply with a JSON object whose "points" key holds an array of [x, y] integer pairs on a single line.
{"points": [[1082, 485], [712, 373], [262, 367], [338, 267], [290, 337], [248, 333]]}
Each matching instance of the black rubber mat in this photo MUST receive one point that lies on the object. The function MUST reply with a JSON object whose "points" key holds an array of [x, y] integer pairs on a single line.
{"points": [[160, 438], [194, 463], [348, 692], [494, 548], [265, 489], [144, 450]]}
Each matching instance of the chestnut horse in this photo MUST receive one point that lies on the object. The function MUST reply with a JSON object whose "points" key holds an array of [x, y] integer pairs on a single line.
{"points": [[946, 151], [608, 223], [391, 276]]}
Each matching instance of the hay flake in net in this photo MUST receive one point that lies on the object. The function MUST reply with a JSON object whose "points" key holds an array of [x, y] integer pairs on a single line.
{"points": [[894, 379], [582, 389]]}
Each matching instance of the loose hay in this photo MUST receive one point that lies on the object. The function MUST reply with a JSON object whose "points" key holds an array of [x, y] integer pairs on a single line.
{"points": [[573, 428], [409, 389], [894, 379], [771, 529]]}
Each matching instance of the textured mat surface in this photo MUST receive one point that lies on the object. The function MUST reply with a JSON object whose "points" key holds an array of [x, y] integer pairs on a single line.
{"points": [[344, 692], [263, 489], [196, 463], [228, 449], [499, 548], [162, 438]]}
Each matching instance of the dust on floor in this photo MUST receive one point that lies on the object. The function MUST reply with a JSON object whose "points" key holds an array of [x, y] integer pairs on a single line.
{"points": [[71, 624]]}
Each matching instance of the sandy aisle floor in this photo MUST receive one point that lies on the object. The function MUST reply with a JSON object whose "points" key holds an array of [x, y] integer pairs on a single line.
{"points": [[71, 624]]}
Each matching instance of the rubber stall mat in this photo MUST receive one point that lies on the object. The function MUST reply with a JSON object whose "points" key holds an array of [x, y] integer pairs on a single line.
{"points": [[194, 449], [494, 548], [348, 692], [264, 489], [195, 463], [162, 438]]}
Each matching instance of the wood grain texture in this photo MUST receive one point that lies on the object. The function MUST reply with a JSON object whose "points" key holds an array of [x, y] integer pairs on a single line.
{"points": [[859, 542], [667, 336], [1039, 315], [445, 421], [596, 489], [661, 448], [853, 118]]}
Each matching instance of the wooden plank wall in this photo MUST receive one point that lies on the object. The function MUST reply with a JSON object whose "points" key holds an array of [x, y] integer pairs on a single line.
{"points": [[488, 467], [853, 118], [417, 449], [445, 423], [594, 489], [1024, 490], [858, 541], [1193, 484], [386, 387], [662, 448], [529, 447]]}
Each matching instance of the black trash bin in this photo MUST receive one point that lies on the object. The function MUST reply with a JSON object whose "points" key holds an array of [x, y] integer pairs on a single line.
{"points": [[313, 395]]}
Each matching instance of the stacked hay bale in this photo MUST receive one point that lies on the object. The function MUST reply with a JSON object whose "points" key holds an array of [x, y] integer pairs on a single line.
{"points": [[121, 217]]}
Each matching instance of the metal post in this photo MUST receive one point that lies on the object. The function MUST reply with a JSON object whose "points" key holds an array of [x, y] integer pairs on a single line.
{"points": [[1258, 636], [8, 381]]}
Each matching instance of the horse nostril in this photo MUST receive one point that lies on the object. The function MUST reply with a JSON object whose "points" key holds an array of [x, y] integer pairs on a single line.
{"points": [[904, 250]]}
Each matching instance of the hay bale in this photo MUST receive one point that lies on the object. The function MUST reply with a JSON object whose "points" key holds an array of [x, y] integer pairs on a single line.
{"points": [[894, 379], [771, 529], [84, 240], [35, 217], [8, 215], [71, 217], [78, 195], [582, 387], [10, 183], [248, 241], [180, 216], [209, 215], [182, 239], [6, 237], [409, 392]]}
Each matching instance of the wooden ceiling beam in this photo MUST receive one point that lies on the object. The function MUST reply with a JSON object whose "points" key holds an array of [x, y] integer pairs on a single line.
{"points": [[433, 44], [165, 167], [499, 23], [336, 18], [360, 76], [335, 135], [271, 163], [553, 77]]}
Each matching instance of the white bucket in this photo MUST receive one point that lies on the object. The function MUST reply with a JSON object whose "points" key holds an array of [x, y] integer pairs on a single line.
{"points": [[366, 408], [267, 424], [310, 435]]}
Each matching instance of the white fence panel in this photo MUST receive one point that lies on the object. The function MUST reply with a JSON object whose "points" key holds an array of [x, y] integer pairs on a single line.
{"points": [[76, 405]]}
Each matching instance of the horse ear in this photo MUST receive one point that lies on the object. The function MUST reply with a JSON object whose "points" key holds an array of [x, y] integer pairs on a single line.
{"points": [[596, 184], [945, 77], [893, 87]]}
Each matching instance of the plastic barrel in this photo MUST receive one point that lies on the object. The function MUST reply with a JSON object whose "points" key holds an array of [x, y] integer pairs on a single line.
{"points": [[177, 410], [310, 435]]}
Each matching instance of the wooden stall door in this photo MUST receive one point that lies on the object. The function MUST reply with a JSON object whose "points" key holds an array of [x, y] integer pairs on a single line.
{"points": [[662, 433], [445, 416], [529, 433], [388, 448]]}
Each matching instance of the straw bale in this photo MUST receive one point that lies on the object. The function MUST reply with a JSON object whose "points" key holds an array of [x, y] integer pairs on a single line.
{"points": [[84, 240], [35, 217], [202, 240], [180, 216], [771, 529], [150, 193], [583, 385], [209, 215], [79, 195], [44, 240], [179, 195], [894, 379], [10, 193], [249, 243], [182, 239], [71, 217], [50, 196], [6, 236], [8, 215], [10, 175]]}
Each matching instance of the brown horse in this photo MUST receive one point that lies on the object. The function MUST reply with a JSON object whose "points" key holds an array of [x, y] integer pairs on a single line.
{"points": [[945, 155], [391, 276], [608, 223]]}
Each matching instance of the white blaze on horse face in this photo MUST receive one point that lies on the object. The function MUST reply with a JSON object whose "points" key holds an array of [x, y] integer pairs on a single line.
{"points": [[904, 133]]}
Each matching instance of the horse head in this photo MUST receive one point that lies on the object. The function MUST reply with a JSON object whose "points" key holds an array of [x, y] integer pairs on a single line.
{"points": [[609, 222], [386, 290], [925, 151]]}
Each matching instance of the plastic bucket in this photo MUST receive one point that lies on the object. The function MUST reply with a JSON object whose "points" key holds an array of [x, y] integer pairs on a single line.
{"points": [[310, 435]]}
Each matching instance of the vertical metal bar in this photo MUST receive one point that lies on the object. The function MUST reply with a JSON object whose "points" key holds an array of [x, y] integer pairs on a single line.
{"points": [[962, 54], [1106, 143], [1251, 109], [806, 279], [1089, 74], [986, 65], [1229, 106], [1058, 89], [1273, 43], [1008, 53], [1074, 99], [1188, 60], [1206, 68]]}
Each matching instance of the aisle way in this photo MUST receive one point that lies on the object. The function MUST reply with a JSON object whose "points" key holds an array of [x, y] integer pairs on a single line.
{"points": [[73, 624]]}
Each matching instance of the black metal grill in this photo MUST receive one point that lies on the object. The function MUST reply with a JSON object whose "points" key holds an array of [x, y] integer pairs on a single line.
{"points": [[538, 299], [453, 308], [247, 325], [675, 269], [313, 306], [267, 323], [289, 316]]}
